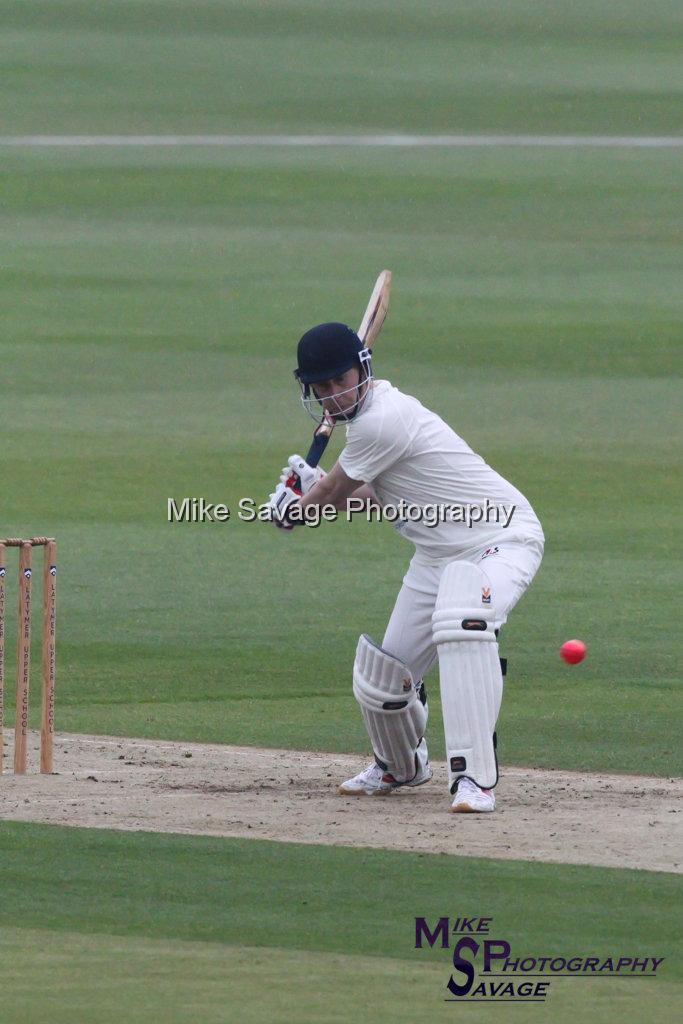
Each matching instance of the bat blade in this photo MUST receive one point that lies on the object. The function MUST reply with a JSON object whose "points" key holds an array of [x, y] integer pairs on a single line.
{"points": [[376, 312], [370, 326]]}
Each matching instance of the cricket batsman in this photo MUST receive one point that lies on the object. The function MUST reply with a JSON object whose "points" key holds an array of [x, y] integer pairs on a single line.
{"points": [[478, 545]]}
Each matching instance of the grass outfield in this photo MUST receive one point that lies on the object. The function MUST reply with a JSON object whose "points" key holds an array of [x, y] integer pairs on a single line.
{"points": [[150, 979], [168, 65], [152, 299], [139, 925]]}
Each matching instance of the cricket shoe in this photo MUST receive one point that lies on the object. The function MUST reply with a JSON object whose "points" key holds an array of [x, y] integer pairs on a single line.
{"points": [[471, 799], [375, 781]]}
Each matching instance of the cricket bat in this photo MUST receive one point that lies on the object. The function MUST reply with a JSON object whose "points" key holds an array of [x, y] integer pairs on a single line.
{"points": [[370, 326]]}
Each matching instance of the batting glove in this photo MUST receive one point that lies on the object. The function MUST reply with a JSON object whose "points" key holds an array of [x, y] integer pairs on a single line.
{"points": [[279, 501], [298, 475]]}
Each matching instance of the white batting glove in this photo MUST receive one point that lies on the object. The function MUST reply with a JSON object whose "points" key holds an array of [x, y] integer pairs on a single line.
{"points": [[279, 501], [298, 468]]}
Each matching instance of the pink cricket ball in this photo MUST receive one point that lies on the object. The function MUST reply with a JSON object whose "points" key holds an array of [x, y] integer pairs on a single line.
{"points": [[573, 651]]}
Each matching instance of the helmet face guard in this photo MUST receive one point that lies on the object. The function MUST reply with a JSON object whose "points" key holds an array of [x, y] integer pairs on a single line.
{"points": [[324, 353], [329, 404]]}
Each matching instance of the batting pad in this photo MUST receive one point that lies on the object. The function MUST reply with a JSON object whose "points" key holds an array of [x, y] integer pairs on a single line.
{"points": [[470, 677], [393, 714]]}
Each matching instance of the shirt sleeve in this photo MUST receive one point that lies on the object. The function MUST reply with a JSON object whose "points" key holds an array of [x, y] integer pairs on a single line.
{"points": [[374, 446]]}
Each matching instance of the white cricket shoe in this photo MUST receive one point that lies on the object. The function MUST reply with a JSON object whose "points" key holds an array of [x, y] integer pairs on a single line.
{"points": [[374, 781], [470, 799]]}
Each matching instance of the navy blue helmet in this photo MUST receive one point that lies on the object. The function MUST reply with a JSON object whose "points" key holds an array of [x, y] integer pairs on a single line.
{"points": [[327, 351]]}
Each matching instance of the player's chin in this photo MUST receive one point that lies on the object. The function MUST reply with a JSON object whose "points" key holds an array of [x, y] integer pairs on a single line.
{"points": [[344, 415]]}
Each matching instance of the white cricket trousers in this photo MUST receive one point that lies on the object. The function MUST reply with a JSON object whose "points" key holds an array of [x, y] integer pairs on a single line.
{"points": [[510, 567]]}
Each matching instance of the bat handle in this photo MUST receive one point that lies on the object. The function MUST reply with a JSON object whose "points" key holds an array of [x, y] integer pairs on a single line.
{"points": [[317, 449], [318, 446]]}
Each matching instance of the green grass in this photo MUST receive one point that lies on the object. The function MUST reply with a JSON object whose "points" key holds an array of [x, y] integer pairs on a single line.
{"points": [[216, 65], [151, 979], [138, 923], [152, 306], [151, 302]]}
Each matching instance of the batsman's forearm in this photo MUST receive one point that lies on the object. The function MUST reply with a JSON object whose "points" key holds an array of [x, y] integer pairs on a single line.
{"points": [[363, 493], [322, 493]]}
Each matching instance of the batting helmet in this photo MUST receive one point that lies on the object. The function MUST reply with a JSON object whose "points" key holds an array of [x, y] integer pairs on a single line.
{"points": [[327, 351]]}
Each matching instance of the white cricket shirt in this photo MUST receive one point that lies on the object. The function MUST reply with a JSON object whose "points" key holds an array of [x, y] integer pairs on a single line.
{"points": [[409, 454]]}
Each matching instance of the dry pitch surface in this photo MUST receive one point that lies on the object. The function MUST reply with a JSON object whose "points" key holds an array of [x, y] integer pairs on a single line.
{"points": [[291, 796]]}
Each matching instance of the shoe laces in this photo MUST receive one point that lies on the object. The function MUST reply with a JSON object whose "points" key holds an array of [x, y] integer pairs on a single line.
{"points": [[372, 771], [466, 785]]}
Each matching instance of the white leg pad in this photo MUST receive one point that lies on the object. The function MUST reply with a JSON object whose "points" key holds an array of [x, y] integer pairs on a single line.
{"points": [[392, 711], [470, 677]]}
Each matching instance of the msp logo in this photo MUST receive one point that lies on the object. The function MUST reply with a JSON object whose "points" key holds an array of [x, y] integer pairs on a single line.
{"points": [[2, 571], [486, 970], [53, 570], [486, 595], [27, 574]]}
